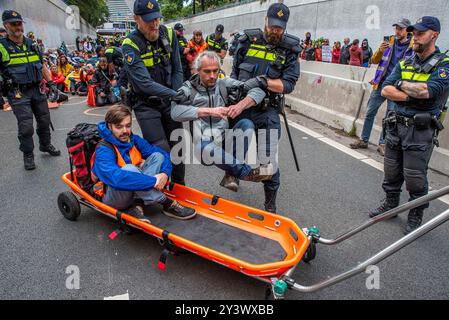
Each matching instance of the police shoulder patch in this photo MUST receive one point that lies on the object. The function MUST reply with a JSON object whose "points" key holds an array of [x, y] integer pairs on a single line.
{"points": [[130, 57], [443, 73]]}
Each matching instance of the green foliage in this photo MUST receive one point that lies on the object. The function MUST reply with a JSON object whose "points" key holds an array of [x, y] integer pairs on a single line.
{"points": [[176, 9], [95, 12]]}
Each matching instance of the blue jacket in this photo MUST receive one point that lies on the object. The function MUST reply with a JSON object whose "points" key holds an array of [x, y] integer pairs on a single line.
{"points": [[106, 167]]}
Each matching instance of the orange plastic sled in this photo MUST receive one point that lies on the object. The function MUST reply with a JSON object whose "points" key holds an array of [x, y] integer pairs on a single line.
{"points": [[242, 238]]}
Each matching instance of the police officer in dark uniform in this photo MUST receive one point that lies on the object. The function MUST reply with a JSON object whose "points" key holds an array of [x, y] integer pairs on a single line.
{"points": [[182, 44], [272, 57], [21, 65], [114, 55], [154, 71], [420, 88], [217, 43]]}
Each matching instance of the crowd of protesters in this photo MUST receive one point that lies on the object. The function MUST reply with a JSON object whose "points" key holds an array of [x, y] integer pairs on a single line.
{"points": [[350, 53]]}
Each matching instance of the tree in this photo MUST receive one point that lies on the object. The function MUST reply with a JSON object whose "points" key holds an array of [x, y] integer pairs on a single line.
{"points": [[175, 9], [95, 12]]}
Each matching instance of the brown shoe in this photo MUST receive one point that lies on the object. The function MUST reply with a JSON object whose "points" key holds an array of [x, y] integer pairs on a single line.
{"points": [[263, 173], [359, 144], [381, 149], [230, 182]]}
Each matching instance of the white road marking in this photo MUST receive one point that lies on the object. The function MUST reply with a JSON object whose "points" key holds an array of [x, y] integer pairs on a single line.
{"points": [[119, 297], [357, 155]]}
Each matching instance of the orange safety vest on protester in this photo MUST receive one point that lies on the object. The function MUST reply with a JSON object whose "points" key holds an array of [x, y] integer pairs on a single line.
{"points": [[136, 159]]}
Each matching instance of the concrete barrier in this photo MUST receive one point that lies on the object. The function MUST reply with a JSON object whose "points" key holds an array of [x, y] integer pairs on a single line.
{"points": [[47, 19]]}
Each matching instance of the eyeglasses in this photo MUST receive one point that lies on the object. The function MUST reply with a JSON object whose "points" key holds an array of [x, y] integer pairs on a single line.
{"points": [[16, 23]]}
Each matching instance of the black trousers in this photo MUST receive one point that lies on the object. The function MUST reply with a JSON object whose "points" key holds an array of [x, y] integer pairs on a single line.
{"points": [[267, 120], [157, 125], [31, 102], [407, 154], [110, 98]]}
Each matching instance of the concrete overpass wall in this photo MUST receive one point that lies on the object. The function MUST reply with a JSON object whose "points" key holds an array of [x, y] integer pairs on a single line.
{"points": [[47, 19], [333, 19]]}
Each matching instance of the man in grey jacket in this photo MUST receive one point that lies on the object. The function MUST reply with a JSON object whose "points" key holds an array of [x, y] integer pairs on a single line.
{"points": [[204, 101]]}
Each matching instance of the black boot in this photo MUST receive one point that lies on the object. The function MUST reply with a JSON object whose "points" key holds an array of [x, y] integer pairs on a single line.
{"points": [[28, 161], [270, 201], [414, 220], [390, 202], [51, 150]]}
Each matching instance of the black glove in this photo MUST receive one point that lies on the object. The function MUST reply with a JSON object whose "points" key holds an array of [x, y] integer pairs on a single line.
{"points": [[192, 50], [53, 93], [257, 82]]}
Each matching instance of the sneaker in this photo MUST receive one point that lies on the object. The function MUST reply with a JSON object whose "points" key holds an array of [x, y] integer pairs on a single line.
{"points": [[359, 144], [263, 173], [178, 211], [28, 161], [381, 149], [230, 182], [414, 220], [137, 212], [50, 149]]}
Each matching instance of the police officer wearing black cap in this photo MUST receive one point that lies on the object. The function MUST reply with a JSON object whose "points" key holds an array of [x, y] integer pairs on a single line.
{"points": [[153, 66], [419, 86], [217, 43], [269, 58], [21, 64], [182, 44]]}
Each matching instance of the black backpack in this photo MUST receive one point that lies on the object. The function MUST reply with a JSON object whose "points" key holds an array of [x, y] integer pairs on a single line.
{"points": [[81, 144]]}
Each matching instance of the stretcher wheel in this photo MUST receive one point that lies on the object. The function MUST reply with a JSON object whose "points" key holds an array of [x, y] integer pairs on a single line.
{"points": [[310, 253], [69, 206]]}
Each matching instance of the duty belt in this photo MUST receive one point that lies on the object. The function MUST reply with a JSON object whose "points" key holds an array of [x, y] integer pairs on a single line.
{"points": [[408, 122]]}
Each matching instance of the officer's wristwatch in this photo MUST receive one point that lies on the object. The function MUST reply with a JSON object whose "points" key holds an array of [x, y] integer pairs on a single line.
{"points": [[398, 84]]}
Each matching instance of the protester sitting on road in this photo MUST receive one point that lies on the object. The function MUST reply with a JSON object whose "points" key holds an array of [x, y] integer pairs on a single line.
{"points": [[202, 100], [104, 93], [73, 79], [196, 45], [131, 168], [57, 78], [64, 66], [86, 75], [355, 54]]}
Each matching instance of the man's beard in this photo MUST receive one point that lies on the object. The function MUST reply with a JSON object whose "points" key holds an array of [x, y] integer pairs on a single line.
{"points": [[420, 48], [153, 36], [15, 34], [272, 38]]}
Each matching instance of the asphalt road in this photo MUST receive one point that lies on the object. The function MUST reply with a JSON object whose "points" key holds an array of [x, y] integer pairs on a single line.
{"points": [[333, 191]]}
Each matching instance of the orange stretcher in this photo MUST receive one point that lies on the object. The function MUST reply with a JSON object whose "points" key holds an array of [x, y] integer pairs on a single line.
{"points": [[248, 240]]}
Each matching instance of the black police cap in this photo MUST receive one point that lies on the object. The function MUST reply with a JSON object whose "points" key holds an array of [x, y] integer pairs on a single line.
{"points": [[11, 16], [278, 14], [147, 9], [219, 28], [178, 27], [426, 23]]}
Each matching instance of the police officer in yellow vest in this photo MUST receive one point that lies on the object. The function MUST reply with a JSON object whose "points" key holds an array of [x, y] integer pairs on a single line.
{"points": [[269, 57], [21, 65], [182, 44], [217, 43], [419, 86], [153, 66]]}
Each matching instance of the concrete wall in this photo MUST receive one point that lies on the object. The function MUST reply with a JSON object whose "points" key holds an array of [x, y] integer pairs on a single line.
{"points": [[333, 19], [47, 19]]}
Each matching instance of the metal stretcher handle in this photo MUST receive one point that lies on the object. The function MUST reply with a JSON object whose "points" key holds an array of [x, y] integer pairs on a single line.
{"points": [[387, 215], [395, 247]]}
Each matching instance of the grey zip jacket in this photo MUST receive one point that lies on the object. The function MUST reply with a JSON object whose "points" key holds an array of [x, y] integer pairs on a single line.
{"points": [[185, 105]]}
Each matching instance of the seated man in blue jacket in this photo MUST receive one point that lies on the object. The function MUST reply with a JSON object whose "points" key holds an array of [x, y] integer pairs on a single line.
{"points": [[132, 170]]}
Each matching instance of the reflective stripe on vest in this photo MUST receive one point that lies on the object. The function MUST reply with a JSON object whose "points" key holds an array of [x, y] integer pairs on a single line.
{"points": [[212, 43], [136, 159], [409, 73], [148, 58], [261, 52]]}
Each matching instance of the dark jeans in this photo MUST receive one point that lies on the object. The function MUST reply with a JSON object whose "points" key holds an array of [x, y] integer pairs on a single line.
{"points": [[157, 125], [232, 163], [32, 103], [110, 98], [407, 154]]}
